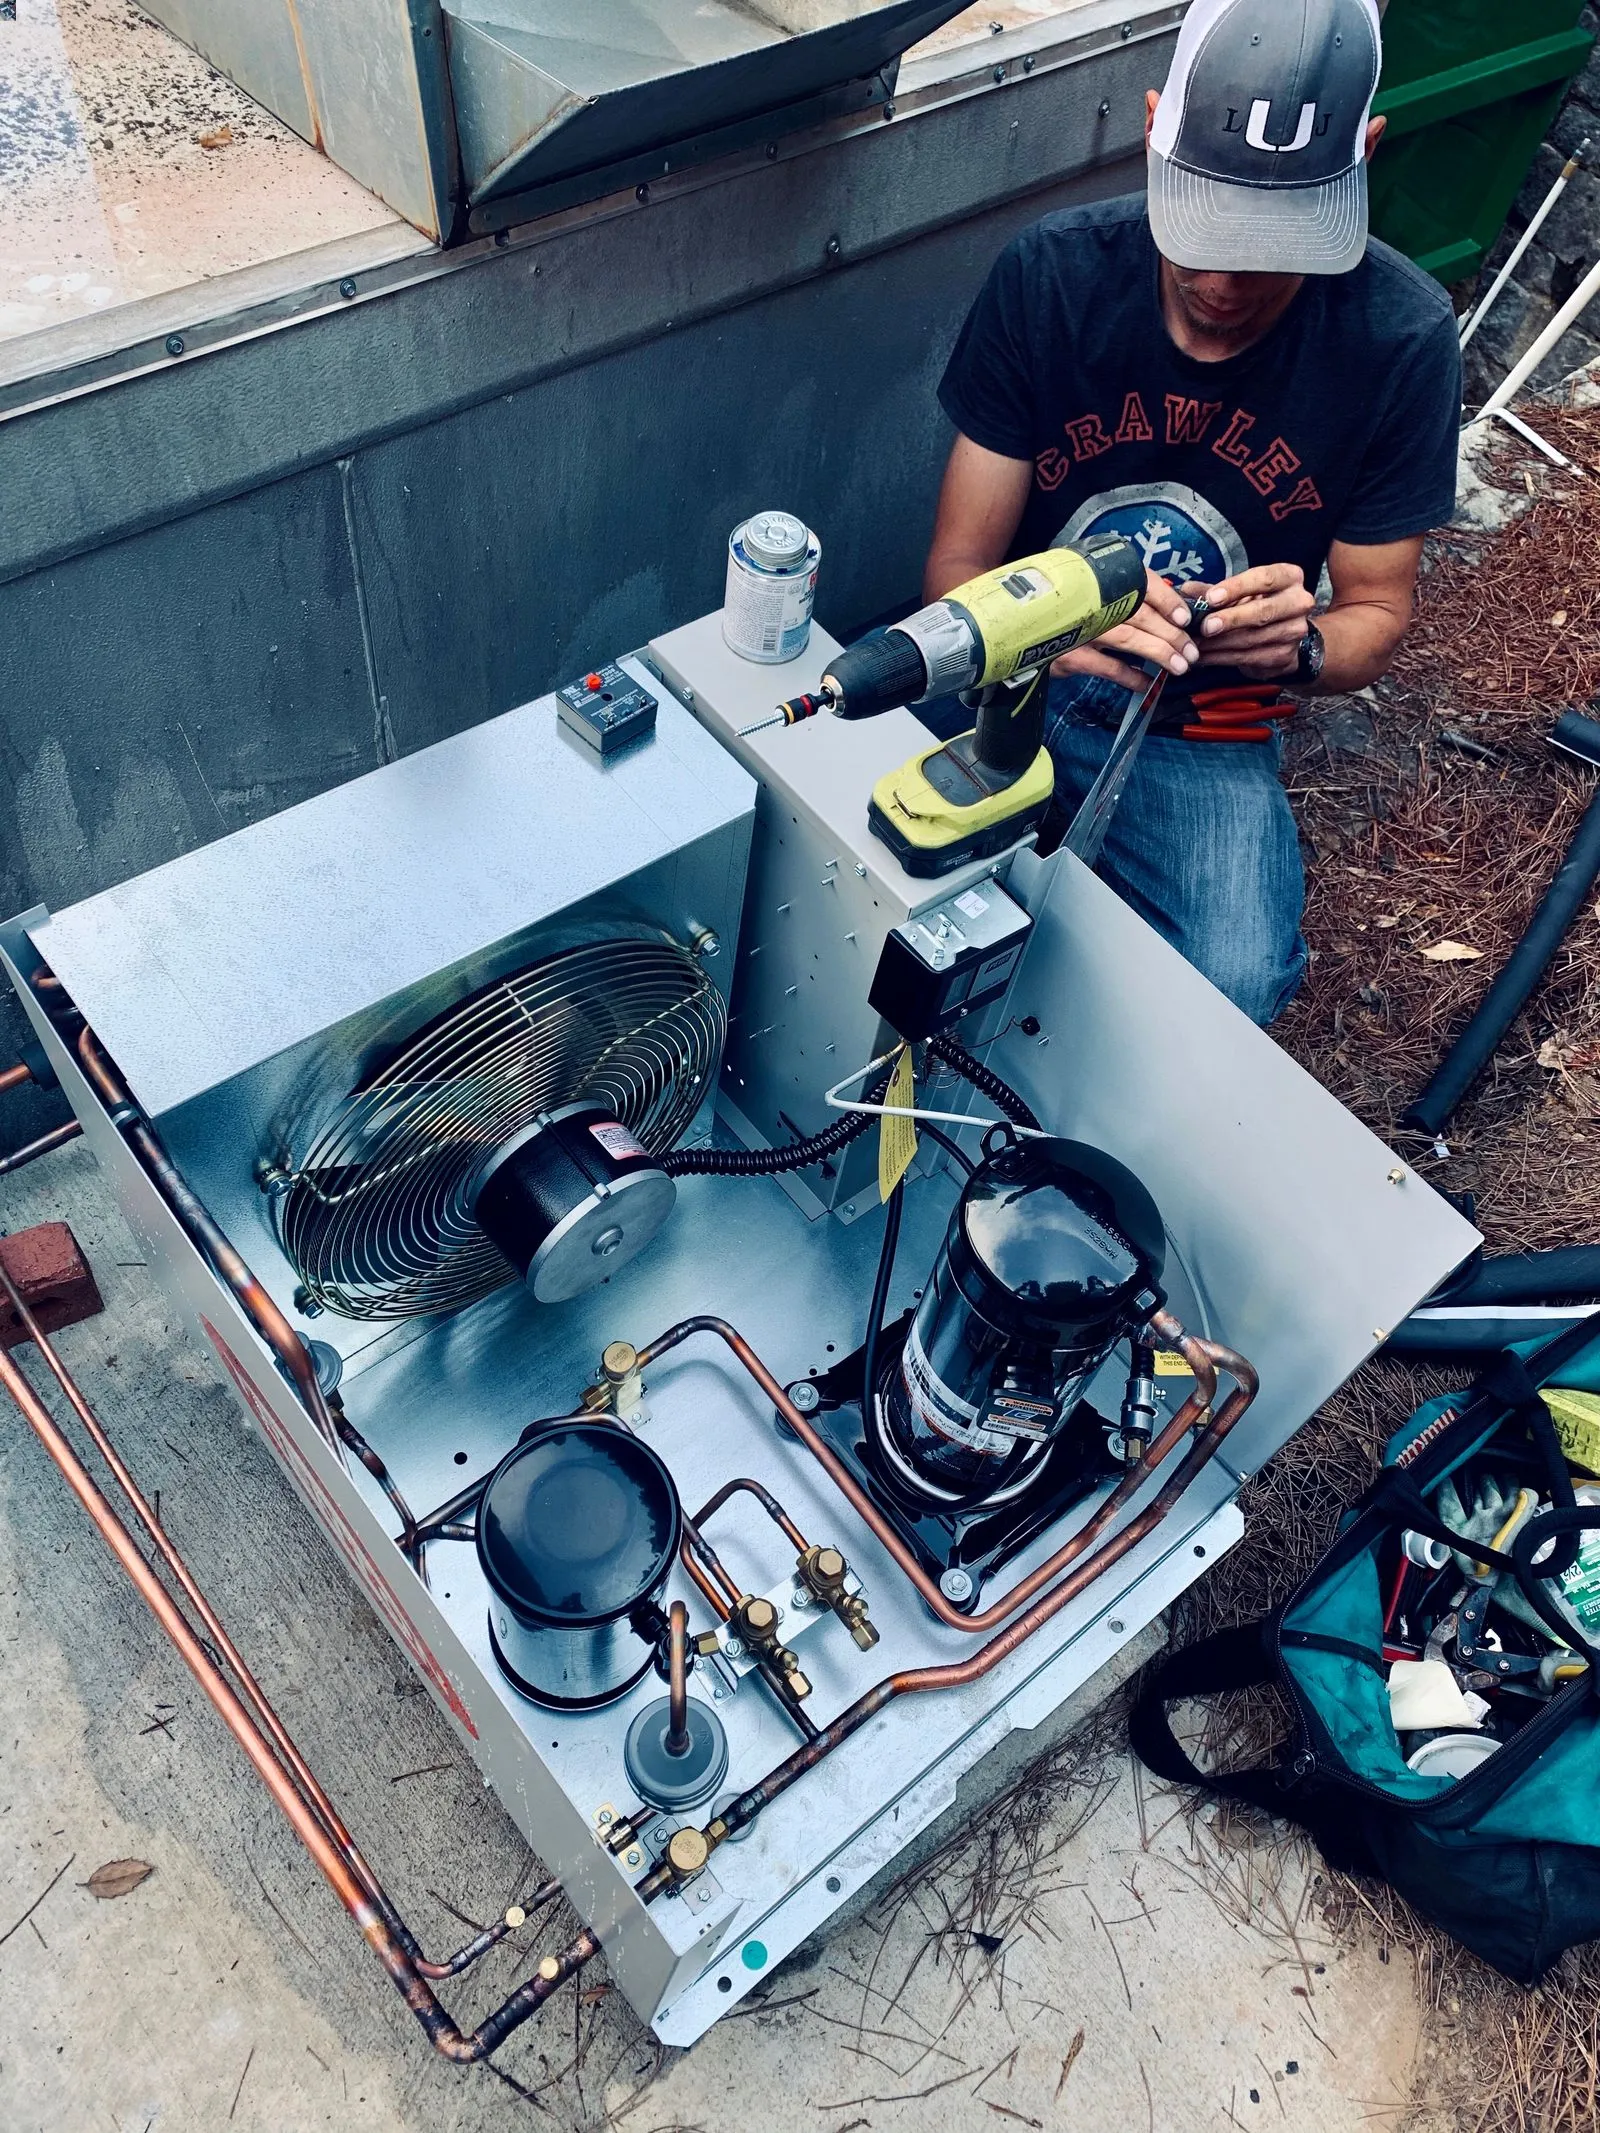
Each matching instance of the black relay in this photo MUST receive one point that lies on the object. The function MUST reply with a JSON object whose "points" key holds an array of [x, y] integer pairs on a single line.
{"points": [[607, 710]]}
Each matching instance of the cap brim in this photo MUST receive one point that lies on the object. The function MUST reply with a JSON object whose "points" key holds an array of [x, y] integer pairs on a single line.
{"points": [[1215, 228]]}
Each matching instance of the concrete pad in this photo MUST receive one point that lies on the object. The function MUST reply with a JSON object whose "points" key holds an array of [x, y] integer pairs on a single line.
{"points": [[229, 1990]]}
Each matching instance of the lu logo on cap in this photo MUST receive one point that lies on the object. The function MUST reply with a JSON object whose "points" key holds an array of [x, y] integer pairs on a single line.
{"points": [[1257, 158]]}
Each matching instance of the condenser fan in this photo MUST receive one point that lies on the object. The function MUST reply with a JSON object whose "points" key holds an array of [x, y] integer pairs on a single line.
{"points": [[582, 1067]]}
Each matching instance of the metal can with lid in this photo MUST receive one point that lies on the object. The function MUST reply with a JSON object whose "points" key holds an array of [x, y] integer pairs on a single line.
{"points": [[772, 582]]}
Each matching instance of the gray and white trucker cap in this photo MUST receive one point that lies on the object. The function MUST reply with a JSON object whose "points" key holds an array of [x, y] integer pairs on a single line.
{"points": [[1256, 154]]}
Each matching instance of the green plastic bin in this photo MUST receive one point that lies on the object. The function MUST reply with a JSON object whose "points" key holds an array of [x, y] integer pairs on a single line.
{"points": [[1469, 89]]}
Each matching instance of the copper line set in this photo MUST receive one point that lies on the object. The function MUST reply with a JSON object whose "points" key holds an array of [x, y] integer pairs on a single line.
{"points": [[1201, 1356], [267, 1744], [271, 1750], [57, 1137], [694, 1550], [689, 1849]]}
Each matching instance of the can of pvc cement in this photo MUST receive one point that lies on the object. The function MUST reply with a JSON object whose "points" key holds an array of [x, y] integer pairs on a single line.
{"points": [[772, 582]]}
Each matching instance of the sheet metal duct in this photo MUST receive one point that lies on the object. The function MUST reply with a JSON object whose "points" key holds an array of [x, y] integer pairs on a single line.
{"points": [[546, 89], [435, 108]]}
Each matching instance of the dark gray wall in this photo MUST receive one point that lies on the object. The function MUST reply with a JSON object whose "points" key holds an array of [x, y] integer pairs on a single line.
{"points": [[229, 585]]}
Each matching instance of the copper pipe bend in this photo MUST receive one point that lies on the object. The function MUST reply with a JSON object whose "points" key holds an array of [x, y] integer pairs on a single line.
{"points": [[1194, 1410]]}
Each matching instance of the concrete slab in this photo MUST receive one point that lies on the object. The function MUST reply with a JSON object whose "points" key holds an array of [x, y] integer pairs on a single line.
{"points": [[228, 1990]]}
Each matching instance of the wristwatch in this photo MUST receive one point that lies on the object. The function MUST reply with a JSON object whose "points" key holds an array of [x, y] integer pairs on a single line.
{"points": [[1309, 655]]}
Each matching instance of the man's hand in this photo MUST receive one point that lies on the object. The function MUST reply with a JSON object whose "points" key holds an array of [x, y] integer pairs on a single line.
{"points": [[1157, 631], [1257, 620]]}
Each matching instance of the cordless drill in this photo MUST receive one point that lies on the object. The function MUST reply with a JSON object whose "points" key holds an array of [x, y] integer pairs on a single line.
{"points": [[991, 642]]}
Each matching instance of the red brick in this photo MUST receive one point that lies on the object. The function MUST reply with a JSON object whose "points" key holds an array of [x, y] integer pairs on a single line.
{"points": [[54, 1277]]}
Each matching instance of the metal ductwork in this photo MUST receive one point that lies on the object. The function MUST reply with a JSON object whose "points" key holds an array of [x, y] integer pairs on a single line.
{"points": [[437, 109], [546, 89]]}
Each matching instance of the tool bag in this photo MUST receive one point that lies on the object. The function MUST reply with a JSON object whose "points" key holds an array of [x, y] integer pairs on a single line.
{"points": [[1507, 1858]]}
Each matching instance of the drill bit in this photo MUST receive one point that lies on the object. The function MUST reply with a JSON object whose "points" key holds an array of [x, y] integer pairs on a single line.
{"points": [[789, 714]]}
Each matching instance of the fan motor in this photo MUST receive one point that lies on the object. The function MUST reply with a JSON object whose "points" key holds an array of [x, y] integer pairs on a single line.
{"points": [[571, 1200]]}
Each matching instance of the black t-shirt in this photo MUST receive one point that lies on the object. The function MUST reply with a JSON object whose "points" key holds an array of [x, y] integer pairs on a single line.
{"points": [[1340, 424]]}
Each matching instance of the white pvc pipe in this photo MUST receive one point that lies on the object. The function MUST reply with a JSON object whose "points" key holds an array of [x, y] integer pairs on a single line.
{"points": [[1576, 304], [1569, 170]]}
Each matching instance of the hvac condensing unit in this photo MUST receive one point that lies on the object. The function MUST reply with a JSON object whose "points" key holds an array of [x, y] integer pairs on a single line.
{"points": [[489, 1117]]}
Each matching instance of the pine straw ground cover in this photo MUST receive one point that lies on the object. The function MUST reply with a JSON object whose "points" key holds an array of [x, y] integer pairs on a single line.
{"points": [[1435, 813]]}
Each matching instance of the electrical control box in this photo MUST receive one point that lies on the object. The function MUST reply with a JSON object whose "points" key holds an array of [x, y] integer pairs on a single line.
{"points": [[949, 961], [607, 710]]}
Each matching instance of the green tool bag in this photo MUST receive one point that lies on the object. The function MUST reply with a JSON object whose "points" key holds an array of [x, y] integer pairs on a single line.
{"points": [[1507, 1858]]}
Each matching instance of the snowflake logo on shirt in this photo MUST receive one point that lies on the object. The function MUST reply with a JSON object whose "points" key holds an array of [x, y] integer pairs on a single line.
{"points": [[1180, 535]]}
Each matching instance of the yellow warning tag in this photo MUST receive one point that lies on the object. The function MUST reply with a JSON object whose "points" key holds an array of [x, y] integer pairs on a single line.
{"points": [[897, 1137], [1170, 1364]]}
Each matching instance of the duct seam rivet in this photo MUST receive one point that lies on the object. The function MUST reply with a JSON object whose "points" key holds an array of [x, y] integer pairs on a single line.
{"points": [[174, 344], [347, 288]]}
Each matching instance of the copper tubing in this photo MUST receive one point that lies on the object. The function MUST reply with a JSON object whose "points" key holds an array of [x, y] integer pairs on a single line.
{"points": [[768, 1502], [14, 1076], [57, 1137], [367, 1905], [740, 1812], [677, 1737], [1192, 1411], [693, 1550], [207, 1237]]}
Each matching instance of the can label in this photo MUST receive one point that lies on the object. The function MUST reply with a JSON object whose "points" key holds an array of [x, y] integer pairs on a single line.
{"points": [[766, 614]]}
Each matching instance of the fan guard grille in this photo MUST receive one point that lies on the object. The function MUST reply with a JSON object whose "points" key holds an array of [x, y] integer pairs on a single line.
{"points": [[376, 1220]]}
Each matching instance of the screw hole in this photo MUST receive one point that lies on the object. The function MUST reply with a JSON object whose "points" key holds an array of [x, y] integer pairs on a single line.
{"points": [[461, 1458], [724, 1984], [834, 1884], [1199, 1551]]}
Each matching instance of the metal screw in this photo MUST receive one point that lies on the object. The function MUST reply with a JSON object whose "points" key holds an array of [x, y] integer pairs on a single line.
{"points": [[1115, 1627], [641, 192], [888, 111], [956, 1584], [999, 73], [1027, 63], [805, 1396], [347, 288], [850, 1211], [734, 1647], [633, 1857], [174, 344], [833, 248], [718, 1693], [861, 870], [772, 151], [606, 1814], [1105, 107], [1127, 30], [707, 946], [688, 697], [1397, 1176], [1380, 1333], [800, 1597], [306, 1304], [702, 1895], [501, 239]]}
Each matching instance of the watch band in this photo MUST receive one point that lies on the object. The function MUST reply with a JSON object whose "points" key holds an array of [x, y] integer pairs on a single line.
{"points": [[1309, 656]]}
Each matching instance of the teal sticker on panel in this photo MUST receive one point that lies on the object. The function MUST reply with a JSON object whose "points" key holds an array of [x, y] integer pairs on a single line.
{"points": [[754, 1954]]}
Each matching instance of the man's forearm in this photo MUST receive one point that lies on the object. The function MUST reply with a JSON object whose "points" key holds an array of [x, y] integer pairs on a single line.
{"points": [[1362, 638]]}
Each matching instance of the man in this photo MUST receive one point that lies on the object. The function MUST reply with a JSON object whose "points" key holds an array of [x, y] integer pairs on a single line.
{"points": [[1230, 373]]}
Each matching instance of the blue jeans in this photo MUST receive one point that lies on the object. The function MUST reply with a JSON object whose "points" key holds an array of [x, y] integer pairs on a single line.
{"points": [[1202, 844]]}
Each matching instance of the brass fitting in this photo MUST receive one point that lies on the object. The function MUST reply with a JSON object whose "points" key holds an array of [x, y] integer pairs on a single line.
{"points": [[823, 1572], [755, 1619], [756, 1622], [619, 1389], [687, 1852]]}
